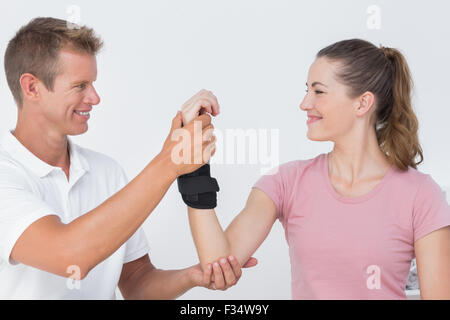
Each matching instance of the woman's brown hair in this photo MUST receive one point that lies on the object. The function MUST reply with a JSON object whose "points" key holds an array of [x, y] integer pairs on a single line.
{"points": [[384, 72]]}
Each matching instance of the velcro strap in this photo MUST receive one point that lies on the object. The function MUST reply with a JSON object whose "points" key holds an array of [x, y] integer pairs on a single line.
{"points": [[198, 184]]}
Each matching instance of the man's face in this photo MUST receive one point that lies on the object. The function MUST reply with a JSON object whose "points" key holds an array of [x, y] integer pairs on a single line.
{"points": [[66, 108]]}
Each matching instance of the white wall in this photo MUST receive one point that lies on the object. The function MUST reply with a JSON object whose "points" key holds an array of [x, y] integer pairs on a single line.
{"points": [[255, 56]]}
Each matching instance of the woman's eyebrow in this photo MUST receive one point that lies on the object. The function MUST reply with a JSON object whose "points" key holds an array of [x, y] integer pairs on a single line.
{"points": [[315, 83]]}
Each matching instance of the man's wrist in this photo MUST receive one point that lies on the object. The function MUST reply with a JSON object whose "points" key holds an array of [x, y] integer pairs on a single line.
{"points": [[189, 279], [164, 161]]}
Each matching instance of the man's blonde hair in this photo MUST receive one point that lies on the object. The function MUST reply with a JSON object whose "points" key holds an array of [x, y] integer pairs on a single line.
{"points": [[35, 49]]}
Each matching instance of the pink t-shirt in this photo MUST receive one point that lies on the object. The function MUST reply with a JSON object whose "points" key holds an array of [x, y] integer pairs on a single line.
{"points": [[352, 247]]}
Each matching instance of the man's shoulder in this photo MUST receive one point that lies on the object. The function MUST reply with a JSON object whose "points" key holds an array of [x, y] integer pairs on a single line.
{"points": [[7, 161], [12, 172], [98, 160]]}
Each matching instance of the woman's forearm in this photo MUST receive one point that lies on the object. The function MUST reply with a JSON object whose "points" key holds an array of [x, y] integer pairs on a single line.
{"points": [[242, 237], [209, 237]]}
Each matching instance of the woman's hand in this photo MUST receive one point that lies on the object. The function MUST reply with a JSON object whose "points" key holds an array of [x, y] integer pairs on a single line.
{"points": [[202, 102]]}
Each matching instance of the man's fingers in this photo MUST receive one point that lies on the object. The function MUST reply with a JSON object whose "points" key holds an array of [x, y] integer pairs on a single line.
{"points": [[177, 121], [212, 286], [205, 119], [207, 275], [219, 280], [229, 272], [208, 133], [208, 151], [236, 266]]}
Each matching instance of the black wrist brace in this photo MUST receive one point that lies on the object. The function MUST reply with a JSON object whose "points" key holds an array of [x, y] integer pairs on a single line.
{"points": [[198, 189]]}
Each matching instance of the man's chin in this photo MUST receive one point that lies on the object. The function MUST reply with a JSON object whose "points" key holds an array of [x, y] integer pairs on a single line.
{"points": [[77, 131]]}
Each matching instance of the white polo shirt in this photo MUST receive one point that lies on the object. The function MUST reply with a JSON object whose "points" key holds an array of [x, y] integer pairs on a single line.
{"points": [[31, 189]]}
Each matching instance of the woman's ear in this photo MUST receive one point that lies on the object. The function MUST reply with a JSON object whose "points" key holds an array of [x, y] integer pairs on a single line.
{"points": [[365, 102]]}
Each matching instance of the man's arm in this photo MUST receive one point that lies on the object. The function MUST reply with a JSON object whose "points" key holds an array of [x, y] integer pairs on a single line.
{"points": [[433, 264], [50, 245], [141, 280]]}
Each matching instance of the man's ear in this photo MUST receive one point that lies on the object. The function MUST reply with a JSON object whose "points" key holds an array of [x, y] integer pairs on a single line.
{"points": [[30, 87], [365, 102]]}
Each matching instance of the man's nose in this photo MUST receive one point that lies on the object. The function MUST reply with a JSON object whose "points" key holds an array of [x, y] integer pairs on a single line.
{"points": [[93, 98]]}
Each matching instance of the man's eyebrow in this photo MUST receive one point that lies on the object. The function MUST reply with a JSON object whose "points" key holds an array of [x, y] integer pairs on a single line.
{"points": [[79, 82], [316, 82]]}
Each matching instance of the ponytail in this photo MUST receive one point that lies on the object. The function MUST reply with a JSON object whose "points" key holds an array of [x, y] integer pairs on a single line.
{"points": [[398, 135]]}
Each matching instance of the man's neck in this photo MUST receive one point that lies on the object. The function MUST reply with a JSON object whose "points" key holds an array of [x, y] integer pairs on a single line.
{"points": [[48, 146]]}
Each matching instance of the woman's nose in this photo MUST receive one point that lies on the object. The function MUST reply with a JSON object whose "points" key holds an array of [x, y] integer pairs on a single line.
{"points": [[305, 104]]}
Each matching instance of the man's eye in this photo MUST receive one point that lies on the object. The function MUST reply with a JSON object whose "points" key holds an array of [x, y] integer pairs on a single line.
{"points": [[81, 86]]}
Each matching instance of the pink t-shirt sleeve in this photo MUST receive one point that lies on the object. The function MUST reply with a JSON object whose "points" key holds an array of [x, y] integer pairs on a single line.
{"points": [[431, 210], [271, 185], [277, 187]]}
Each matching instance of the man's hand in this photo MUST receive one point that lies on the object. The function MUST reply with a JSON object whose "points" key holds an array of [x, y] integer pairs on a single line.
{"points": [[190, 147], [219, 275], [203, 102]]}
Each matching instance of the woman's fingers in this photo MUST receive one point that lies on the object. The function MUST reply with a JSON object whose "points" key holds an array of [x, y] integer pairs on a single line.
{"points": [[202, 102]]}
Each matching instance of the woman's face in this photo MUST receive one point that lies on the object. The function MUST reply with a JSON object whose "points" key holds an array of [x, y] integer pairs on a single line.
{"points": [[327, 99]]}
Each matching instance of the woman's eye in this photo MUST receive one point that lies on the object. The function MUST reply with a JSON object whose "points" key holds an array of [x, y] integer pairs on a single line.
{"points": [[319, 92]]}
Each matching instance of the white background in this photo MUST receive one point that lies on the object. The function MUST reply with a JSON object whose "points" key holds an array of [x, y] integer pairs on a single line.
{"points": [[254, 55]]}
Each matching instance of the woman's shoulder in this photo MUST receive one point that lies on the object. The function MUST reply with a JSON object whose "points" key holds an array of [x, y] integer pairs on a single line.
{"points": [[411, 177], [301, 165], [417, 183]]}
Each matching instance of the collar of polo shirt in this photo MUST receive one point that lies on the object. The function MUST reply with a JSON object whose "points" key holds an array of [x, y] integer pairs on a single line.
{"points": [[18, 151]]}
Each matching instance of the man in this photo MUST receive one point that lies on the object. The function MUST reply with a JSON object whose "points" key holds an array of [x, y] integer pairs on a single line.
{"points": [[66, 211]]}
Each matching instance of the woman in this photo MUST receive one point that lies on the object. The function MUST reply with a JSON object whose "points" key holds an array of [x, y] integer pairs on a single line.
{"points": [[354, 218]]}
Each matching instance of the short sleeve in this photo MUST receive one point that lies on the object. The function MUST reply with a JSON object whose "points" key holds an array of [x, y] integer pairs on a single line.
{"points": [[121, 178], [431, 210], [137, 246], [19, 208], [272, 185]]}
